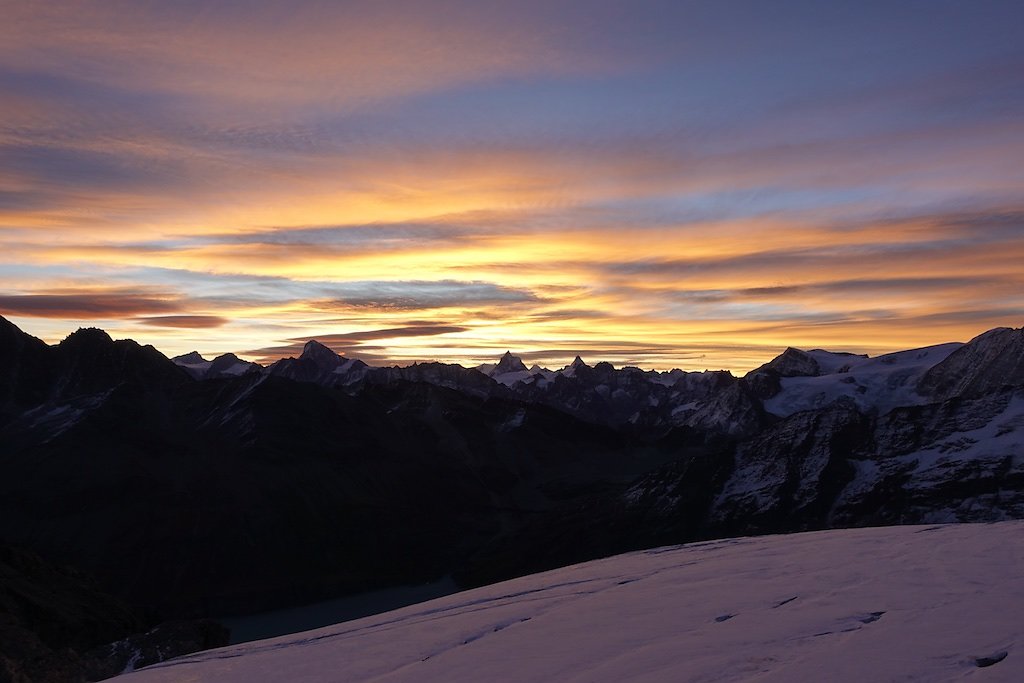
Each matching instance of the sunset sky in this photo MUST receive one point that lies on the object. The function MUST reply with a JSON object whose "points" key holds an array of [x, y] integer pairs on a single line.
{"points": [[663, 184]]}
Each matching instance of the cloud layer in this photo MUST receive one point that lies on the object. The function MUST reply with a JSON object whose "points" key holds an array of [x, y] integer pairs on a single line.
{"points": [[658, 183]]}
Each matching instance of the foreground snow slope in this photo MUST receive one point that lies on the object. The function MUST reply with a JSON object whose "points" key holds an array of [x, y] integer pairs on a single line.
{"points": [[937, 603]]}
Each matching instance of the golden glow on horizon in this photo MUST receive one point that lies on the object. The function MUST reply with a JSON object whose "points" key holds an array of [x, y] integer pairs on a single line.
{"points": [[623, 317], [422, 185]]}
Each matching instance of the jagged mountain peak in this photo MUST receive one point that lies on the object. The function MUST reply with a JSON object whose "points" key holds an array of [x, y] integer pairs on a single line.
{"points": [[577, 362], [509, 363]]}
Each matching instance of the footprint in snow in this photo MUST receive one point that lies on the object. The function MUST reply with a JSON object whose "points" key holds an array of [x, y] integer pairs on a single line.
{"points": [[991, 659]]}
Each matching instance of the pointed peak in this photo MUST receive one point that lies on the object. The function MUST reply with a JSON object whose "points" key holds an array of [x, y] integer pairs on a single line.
{"points": [[508, 363], [577, 362], [320, 354], [315, 348]]}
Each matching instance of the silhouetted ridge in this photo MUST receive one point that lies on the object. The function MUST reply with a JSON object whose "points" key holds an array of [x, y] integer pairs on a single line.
{"points": [[90, 361], [26, 369]]}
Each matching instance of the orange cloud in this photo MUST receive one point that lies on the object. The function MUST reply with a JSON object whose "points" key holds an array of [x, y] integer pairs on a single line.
{"points": [[186, 321], [86, 305]]}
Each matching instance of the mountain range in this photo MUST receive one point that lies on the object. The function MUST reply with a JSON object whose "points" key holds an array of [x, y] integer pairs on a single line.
{"points": [[194, 488]]}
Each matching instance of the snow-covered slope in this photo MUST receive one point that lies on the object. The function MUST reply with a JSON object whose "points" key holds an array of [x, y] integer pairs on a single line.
{"points": [[875, 384], [940, 603]]}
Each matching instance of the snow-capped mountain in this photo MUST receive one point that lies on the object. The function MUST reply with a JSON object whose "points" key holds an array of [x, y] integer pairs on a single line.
{"points": [[914, 603], [225, 365], [319, 364], [655, 402], [873, 384], [509, 370]]}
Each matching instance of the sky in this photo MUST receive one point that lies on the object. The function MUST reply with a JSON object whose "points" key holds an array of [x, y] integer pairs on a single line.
{"points": [[661, 184]]}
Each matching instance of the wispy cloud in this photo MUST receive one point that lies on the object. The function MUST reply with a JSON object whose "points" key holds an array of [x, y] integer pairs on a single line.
{"points": [[355, 343], [87, 305], [186, 321]]}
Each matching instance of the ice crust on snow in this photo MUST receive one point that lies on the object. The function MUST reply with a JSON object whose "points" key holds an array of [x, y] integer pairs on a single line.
{"points": [[913, 603]]}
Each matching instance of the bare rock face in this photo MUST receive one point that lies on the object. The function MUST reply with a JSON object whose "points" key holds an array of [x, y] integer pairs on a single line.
{"points": [[791, 363], [987, 363], [789, 474], [734, 411], [508, 363], [765, 380]]}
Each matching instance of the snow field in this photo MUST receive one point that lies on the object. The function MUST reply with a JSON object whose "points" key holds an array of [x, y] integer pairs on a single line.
{"points": [[939, 603]]}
